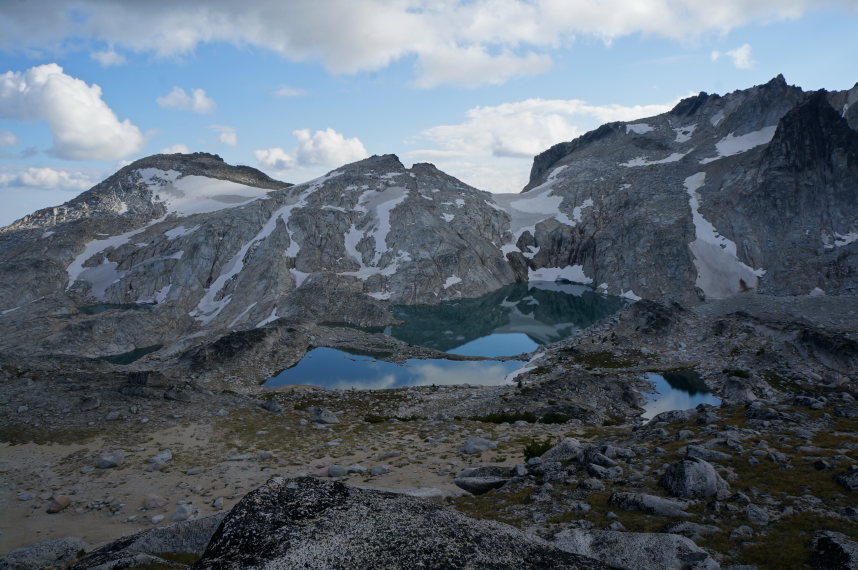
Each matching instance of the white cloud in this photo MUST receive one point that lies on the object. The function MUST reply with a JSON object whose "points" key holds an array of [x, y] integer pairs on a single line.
{"points": [[526, 128], [176, 148], [483, 41], [274, 158], [47, 178], [493, 147], [82, 125], [197, 101], [326, 148], [742, 57], [286, 91], [8, 138], [226, 135], [108, 58]]}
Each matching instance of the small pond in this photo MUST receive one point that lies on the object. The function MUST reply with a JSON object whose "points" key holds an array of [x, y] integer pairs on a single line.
{"points": [[332, 368], [680, 390], [513, 320]]}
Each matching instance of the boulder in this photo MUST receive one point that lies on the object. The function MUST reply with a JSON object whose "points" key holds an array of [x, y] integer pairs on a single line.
{"points": [[567, 450], [314, 524], [636, 549], [187, 537], [833, 551], [323, 416], [692, 478], [479, 480], [58, 552], [849, 479], [477, 445], [650, 504]]}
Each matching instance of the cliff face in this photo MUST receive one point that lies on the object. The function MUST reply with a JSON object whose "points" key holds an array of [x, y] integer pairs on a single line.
{"points": [[754, 190]]}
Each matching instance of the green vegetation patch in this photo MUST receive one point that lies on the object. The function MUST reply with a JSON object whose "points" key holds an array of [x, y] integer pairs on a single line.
{"points": [[507, 417]]}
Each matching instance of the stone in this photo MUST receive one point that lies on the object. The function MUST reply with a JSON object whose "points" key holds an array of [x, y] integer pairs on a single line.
{"points": [[110, 460], [833, 551], [700, 452], [743, 531], [757, 515], [650, 504], [162, 457], [849, 479], [323, 416], [636, 549], [567, 450], [379, 470], [25, 496], [55, 553], [691, 530], [182, 513], [480, 480], [274, 407], [337, 471], [88, 403], [153, 501], [306, 523], [188, 537], [692, 478], [475, 444], [58, 503]]}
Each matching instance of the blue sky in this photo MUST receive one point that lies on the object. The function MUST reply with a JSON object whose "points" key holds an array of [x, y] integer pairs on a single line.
{"points": [[298, 88]]}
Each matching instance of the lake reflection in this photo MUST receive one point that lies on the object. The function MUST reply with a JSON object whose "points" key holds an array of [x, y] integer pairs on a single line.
{"points": [[513, 320], [681, 390], [332, 368]]}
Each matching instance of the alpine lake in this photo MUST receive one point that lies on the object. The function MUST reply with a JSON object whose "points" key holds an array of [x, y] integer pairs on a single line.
{"points": [[513, 321]]}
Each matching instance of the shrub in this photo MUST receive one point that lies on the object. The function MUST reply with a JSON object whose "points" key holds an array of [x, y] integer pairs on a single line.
{"points": [[554, 418], [506, 417], [535, 448]]}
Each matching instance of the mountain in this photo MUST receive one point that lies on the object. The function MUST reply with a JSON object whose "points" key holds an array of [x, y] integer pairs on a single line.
{"points": [[756, 190]]}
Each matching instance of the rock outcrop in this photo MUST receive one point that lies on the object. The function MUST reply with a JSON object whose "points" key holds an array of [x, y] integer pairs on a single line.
{"points": [[307, 523]]}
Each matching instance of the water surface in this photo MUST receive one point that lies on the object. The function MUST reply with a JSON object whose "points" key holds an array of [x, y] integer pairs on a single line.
{"points": [[680, 390], [513, 320], [332, 368]]}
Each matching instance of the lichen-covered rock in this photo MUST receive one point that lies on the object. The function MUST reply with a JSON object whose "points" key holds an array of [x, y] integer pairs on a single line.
{"points": [[650, 504], [834, 551], [636, 549], [692, 478], [316, 524]]}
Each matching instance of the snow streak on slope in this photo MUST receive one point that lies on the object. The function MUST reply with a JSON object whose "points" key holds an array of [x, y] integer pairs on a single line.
{"points": [[214, 301], [730, 145], [643, 161], [376, 225], [719, 272]]}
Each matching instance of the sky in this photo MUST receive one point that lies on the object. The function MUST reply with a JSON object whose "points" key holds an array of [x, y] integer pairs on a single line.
{"points": [[297, 88]]}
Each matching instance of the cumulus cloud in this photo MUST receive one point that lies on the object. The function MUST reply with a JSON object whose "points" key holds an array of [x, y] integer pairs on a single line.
{"points": [[197, 101], [286, 91], [176, 148], [274, 158], [82, 125], [484, 41], [47, 178], [326, 148], [526, 128], [226, 135], [8, 138], [108, 58], [741, 57]]}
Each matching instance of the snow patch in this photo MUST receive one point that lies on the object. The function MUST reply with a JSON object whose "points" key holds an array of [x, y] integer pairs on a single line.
{"points": [[817, 292], [531, 252], [47, 234], [452, 281], [270, 318], [684, 134], [643, 161], [845, 239], [639, 128], [719, 272], [299, 276], [460, 203], [380, 296], [180, 231], [573, 273], [630, 294], [716, 118], [448, 217], [732, 145]]}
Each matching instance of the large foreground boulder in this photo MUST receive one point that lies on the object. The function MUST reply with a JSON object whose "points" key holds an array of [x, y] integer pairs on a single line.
{"points": [[56, 553], [309, 523], [692, 478], [637, 549]]}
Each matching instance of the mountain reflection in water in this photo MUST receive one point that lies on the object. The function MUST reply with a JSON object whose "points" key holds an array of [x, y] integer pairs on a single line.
{"points": [[513, 320]]}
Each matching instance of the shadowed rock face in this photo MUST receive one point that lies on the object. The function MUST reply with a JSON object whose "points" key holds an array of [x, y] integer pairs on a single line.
{"points": [[306, 523]]}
